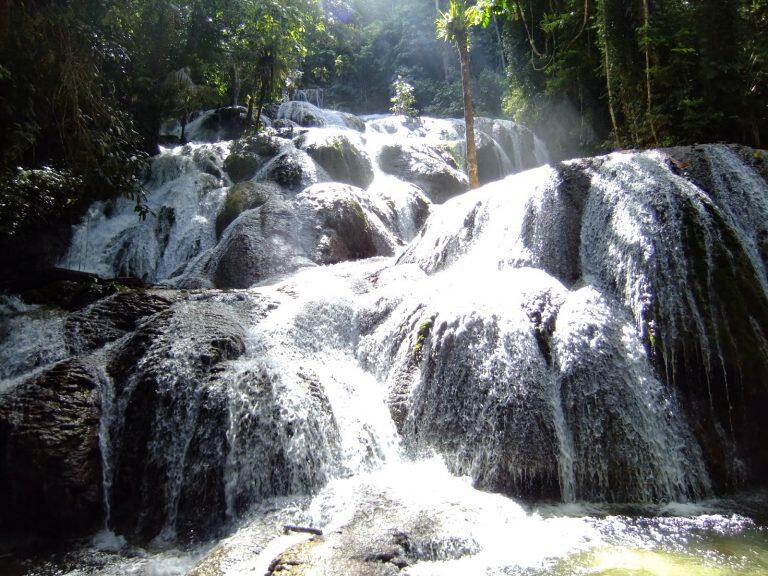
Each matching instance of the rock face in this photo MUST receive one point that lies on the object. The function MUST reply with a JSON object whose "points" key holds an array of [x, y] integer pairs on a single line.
{"points": [[341, 154], [433, 170], [171, 422], [50, 467], [111, 318]]}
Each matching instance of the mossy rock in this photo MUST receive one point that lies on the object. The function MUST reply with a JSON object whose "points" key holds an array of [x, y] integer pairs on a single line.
{"points": [[288, 171], [266, 144], [250, 153], [241, 197], [341, 155], [242, 168]]}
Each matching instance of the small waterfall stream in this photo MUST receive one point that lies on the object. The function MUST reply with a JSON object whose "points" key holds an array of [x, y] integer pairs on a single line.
{"points": [[367, 349]]}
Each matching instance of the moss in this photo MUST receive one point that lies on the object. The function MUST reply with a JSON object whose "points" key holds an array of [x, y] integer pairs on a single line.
{"points": [[241, 197], [421, 337]]}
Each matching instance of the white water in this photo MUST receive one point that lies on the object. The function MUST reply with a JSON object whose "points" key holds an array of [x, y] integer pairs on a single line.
{"points": [[509, 337]]}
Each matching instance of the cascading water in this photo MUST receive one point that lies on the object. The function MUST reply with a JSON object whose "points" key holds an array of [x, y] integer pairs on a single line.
{"points": [[368, 374]]}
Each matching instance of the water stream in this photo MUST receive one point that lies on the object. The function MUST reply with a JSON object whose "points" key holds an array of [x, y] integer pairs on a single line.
{"points": [[480, 396]]}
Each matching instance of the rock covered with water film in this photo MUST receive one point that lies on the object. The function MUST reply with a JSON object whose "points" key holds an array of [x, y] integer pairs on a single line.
{"points": [[242, 197], [302, 113], [434, 170], [293, 169], [343, 223], [260, 243], [111, 318], [170, 415], [341, 154], [325, 224], [678, 238], [50, 465]]}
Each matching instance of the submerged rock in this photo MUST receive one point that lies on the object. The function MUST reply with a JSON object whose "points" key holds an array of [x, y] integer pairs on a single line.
{"points": [[50, 463]]}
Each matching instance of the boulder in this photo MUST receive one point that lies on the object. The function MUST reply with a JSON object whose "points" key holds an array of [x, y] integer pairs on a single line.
{"points": [[171, 421], [293, 169], [50, 463], [341, 224], [250, 153], [302, 113], [260, 243], [241, 197], [112, 318], [341, 154], [432, 169]]}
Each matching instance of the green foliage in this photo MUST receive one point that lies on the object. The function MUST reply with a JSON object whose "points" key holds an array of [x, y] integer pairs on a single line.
{"points": [[403, 101], [366, 45], [421, 337], [454, 24], [636, 73]]}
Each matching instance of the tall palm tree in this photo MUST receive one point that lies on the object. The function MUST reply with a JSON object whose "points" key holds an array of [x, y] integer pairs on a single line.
{"points": [[453, 26]]}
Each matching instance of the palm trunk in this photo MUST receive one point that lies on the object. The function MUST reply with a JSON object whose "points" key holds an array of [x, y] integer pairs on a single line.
{"points": [[469, 113]]}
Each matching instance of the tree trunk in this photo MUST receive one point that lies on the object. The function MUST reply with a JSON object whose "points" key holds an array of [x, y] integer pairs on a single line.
{"points": [[263, 98], [183, 137], [249, 116], [469, 113], [607, 62], [647, 25], [235, 85]]}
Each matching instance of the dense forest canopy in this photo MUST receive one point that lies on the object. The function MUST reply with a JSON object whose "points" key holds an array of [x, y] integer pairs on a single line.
{"points": [[86, 84]]}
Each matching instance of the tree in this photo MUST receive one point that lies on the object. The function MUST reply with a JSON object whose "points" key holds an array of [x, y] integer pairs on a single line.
{"points": [[403, 102], [453, 26]]}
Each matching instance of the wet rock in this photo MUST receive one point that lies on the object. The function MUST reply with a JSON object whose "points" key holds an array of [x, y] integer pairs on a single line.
{"points": [[341, 154], [302, 113], [285, 128], [50, 466], [433, 170], [260, 243], [251, 153], [351, 121], [293, 169], [482, 379], [240, 198], [168, 462], [342, 224], [112, 318], [241, 168], [226, 123], [208, 161]]}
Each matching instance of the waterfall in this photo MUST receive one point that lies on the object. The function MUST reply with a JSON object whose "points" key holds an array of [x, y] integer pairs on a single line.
{"points": [[337, 325]]}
